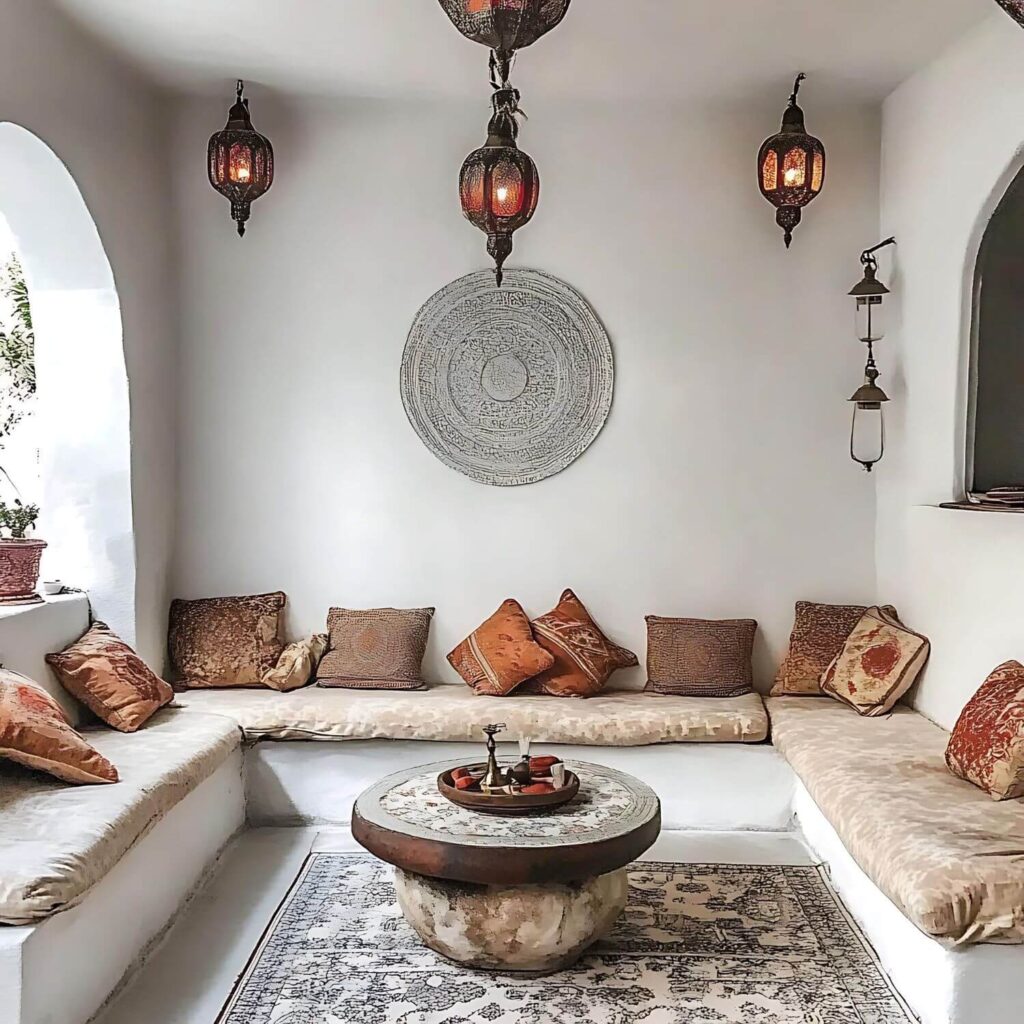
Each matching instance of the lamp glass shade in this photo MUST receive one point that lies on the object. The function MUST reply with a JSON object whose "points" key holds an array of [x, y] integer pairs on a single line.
{"points": [[870, 318], [867, 434]]}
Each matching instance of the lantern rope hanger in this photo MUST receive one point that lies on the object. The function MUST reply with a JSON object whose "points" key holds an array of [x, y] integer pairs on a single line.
{"points": [[499, 185]]}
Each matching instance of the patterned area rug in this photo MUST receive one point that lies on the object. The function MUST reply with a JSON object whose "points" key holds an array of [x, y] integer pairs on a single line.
{"points": [[700, 944]]}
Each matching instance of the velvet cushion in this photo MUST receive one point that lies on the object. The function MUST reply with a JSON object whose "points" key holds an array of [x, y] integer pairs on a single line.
{"points": [[584, 657], [700, 657], [376, 649], [987, 745], [226, 641], [501, 653], [878, 664], [110, 679], [35, 733], [297, 665]]}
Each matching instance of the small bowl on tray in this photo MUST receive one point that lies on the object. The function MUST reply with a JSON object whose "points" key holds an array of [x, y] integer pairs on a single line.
{"points": [[506, 803]]}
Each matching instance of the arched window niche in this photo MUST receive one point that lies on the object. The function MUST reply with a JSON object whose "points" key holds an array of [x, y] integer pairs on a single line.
{"points": [[995, 421], [82, 404]]}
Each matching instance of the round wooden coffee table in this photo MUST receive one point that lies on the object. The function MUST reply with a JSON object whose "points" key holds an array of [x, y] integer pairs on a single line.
{"points": [[512, 894]]}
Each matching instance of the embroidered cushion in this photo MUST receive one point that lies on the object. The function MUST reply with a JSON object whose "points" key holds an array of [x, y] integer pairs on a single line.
{"points": [[700, 657], [226, 641], [110, 679], [297, 664], [501, 653], [584, 657], [35, 733], [378, 649], [878, 664], [987, 745], [819, 632]]}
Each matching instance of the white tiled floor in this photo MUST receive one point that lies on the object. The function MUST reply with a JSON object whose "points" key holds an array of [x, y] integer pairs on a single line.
{"points": [[191, 973]]}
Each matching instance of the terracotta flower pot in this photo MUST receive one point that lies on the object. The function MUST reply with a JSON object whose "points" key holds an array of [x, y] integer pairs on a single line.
{"points": [[19, 570]]}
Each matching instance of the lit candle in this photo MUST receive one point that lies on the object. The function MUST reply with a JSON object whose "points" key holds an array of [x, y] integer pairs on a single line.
{"points": [[241, 172]]}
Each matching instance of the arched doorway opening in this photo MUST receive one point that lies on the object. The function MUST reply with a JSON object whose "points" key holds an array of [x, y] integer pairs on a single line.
{"points": [[82, 404]]}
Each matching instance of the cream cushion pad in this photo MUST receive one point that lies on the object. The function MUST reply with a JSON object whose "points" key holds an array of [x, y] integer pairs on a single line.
{"points": [[57, 841], [939, 848], [456, 714]]}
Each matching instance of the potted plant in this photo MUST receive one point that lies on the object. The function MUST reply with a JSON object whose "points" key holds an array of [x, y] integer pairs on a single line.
{"points": [[19, 554]]}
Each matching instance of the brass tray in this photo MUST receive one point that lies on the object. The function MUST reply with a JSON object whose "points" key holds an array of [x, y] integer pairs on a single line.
{"points": [[503, 803]]}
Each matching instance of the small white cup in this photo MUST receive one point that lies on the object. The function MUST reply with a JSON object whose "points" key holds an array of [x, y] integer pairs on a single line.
{"points": [[52, 587]]}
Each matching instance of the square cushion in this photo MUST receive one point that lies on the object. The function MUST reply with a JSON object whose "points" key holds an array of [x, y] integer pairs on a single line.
{"points": [[584, 657], [226, 641], [35, 733], [987, 745], [378, 649], [110, 679], [700, 657], [819, 632], [501, 653], [878, 664], [297, 664]]}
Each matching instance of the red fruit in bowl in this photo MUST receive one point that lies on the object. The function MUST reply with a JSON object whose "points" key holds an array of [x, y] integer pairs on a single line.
{"points": [[459, 773], [543, 765], [465, 783], [538, 789]]}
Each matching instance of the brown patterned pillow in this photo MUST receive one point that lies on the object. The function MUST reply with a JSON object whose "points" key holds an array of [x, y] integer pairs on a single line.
{"points": [[110, 679], [297, 664], [35, 733], [501, 653], [226, 641], [878, 664], [987, 745], [819, 632], [700, 657], [584, 657], [378, 649]]}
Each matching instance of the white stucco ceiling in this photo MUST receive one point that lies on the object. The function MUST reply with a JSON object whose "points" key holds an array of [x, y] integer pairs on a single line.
{"points": [[856, 49]]}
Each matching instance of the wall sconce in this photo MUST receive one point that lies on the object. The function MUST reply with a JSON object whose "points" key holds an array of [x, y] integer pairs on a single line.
{"points": [[867, 432], [791, 167], [241, 161]]}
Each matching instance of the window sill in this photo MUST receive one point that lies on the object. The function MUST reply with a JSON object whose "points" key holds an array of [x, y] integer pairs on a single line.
{"points": [[967, 506], [66, 600]]}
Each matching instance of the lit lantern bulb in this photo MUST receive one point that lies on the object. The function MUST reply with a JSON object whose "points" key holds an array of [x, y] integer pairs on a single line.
{"points": [[502, 194], [792, 176], [241, 173]]}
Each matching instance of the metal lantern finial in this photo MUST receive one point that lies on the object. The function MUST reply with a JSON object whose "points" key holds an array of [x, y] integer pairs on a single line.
{"points": [[791, 166], [240, 161]]}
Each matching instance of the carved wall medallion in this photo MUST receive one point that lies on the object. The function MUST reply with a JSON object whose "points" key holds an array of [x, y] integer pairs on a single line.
{"points": [[511, 385]]}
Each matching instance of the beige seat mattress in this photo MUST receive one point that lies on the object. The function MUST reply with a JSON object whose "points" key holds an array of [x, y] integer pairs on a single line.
{"points": [[950, 857], [57, 841], [456, 714]]}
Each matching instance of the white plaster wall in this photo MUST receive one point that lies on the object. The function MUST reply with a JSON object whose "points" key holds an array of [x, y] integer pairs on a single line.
{"points": [[110, 130], [952, 139], [721, 485]]}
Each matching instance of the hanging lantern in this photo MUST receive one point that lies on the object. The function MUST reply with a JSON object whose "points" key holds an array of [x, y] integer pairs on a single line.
{"points": [[505, 25], [791, 167], [241, 161], [499, 185], [1014, 8], [867, 433]]}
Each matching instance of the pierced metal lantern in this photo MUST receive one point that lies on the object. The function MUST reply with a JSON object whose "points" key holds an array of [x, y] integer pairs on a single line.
{"points": [[791, 167], [241, 161], [499, 185], [1014, 8], [505, 25]]}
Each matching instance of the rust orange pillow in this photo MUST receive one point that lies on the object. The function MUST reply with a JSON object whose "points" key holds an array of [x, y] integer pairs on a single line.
{"points": [[987, 745], [110, 679], [584, 657], [501, 653], [878, 664], [35, 733]]}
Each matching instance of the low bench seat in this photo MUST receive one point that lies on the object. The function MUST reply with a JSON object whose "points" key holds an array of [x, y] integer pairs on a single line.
{"points": [[58, 841], [455, 714], [946, 854]]}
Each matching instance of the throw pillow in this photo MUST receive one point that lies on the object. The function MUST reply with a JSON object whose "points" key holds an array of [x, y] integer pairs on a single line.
{"points": [[501, 653], [819, 632], [700, 657], [878, 664], [987, 745], [379, 649], [226, 641], [35, 733], [297, 664], [584, 657], [110, 679]]}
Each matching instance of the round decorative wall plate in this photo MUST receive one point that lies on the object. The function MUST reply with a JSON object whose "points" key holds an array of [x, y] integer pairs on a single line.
{"points": [[507, 385]]}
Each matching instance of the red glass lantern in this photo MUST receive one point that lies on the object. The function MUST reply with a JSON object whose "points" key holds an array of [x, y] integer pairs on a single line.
{"points": [[505, 25], [499, 185], [1014, 8], [241, 161], [791, 167]]}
